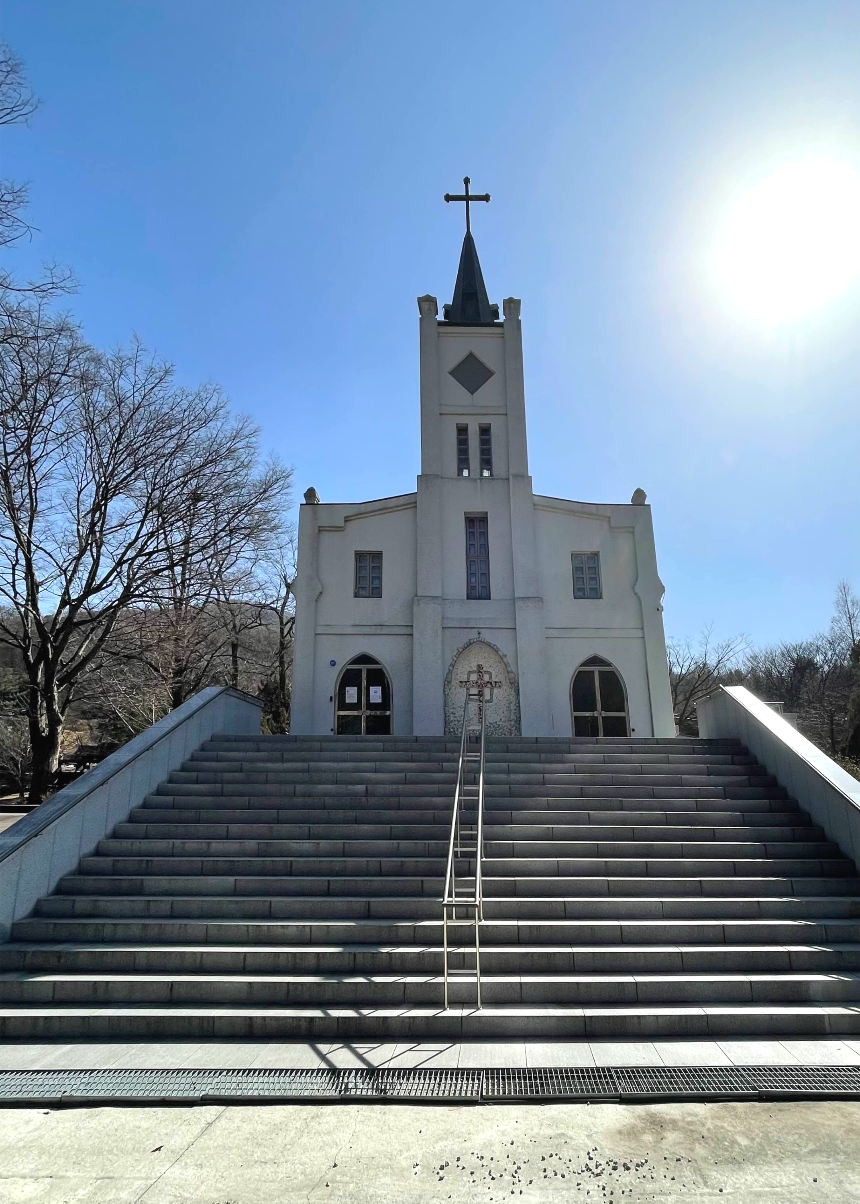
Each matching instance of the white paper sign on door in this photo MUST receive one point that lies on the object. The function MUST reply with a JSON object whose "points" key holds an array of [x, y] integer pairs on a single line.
{"points": [[376, 693], [351, 694]]}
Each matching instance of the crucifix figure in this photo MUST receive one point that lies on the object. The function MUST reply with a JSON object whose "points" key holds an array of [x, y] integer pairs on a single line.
{"points": [[468, 197]]}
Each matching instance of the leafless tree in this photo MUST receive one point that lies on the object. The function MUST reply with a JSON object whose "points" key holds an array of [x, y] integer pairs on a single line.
{"points": [[852, 716], [696, 669], [17, 100], [16, 753], [100, 456], [119, 697], [817, 677], [276, 689], [845, 623], [18, 103], [198, 609]]}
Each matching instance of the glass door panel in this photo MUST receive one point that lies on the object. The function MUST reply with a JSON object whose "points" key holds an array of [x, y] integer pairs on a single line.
{"points": [[363, 702], [598, 703]]}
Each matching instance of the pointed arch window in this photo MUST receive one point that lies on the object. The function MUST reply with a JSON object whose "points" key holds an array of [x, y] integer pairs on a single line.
{"points": [[598, 700]]}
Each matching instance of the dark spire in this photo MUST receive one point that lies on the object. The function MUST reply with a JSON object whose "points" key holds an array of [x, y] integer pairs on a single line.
{"points": [[470, 306]]}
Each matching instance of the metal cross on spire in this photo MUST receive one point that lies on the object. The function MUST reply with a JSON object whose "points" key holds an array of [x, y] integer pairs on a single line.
{"points": [[468, 197]]}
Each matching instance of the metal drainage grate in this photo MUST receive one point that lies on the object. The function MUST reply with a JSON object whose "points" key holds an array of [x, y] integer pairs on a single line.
{"points": [[631, 1083], [448, 1085], [586, 1082]]}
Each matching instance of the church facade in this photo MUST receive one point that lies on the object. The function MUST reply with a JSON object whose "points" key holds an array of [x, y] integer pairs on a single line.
{"points": [[402, 600]]}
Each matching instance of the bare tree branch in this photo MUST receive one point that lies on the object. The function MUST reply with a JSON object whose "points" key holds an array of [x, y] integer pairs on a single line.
{"points": [[118, 489]]}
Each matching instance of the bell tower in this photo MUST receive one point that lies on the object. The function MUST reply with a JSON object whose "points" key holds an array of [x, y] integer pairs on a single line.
{"points": [[476, 547]]}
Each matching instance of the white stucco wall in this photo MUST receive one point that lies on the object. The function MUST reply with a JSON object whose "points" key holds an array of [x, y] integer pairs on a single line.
{"points": [[564, 528], [387, 526], [611, 626], [333, 625]]}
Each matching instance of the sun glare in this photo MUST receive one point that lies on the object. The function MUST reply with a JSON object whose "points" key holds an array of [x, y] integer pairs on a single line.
{"points": [[790, 244]]}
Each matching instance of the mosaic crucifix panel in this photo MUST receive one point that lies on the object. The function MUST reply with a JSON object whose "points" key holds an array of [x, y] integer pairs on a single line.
{"points": [[479, 663]]}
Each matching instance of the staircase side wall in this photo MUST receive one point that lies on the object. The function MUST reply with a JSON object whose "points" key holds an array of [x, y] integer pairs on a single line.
{"points": [[823, 788], [38, 850]]}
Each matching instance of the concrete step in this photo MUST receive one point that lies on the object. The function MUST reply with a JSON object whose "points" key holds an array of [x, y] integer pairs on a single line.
{"points": [[293, 885], [260, 769], [243, 789], [535, 754], [393, 822], [526, 849], [401, 907], [494, 832], [423, 867], [493, 743], [112, 847], [267, 866], [290, 887], [215, 955], [373, 886], [651, 886], [462, 1021], [21, 988], [400, 808], [646, 782], [231, 907], [661, 867], [421, 932]]}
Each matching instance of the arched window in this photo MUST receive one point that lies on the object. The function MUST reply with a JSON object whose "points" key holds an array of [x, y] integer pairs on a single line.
{"points": [[598, 700], [363, 699]]}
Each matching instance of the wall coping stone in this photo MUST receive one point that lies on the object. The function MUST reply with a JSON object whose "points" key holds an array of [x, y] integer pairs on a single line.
{"points": [[824, 766]]}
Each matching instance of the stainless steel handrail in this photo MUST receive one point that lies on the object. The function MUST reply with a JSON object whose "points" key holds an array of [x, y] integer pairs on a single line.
{"points": [[450, 899]]}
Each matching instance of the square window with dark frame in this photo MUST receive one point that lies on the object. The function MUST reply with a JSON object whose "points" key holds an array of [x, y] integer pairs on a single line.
{"points": [[368, 575], [477, 557], [586, 575], [462, 451], [485, 443]]}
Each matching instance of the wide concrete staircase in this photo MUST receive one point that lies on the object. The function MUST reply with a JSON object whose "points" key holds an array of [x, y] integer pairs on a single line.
{"points": [[289, 887]]}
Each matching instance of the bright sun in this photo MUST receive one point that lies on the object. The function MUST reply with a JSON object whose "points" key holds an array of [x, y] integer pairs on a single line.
{"points": [[790, 244]]}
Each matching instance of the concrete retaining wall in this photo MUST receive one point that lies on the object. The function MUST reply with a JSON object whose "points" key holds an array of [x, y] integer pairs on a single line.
{"points": [[41, 847], [823, 788]]}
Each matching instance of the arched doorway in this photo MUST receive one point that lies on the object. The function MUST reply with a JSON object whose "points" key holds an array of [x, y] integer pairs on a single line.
{"points": [[363, 699], [598, 700], [503, 704]]}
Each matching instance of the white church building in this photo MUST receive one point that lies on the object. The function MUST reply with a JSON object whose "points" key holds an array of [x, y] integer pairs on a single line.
{"points": [[399, 600]]}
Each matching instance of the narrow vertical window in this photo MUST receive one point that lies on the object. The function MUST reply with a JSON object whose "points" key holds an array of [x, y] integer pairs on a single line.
{"points": [[368, 575], [586, 575], [477, 557], [485, 441], [462, 451]]}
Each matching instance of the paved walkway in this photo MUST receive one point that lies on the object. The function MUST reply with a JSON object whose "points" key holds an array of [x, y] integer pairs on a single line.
{"points": [[240, 1054], [383, 1154]]}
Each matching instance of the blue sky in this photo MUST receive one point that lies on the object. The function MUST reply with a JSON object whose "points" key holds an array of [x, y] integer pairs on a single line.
{"points": [[255, 189]]}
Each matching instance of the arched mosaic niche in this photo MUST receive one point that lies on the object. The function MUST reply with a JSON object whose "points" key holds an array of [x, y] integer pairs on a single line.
{"points": [[503, 712]]}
